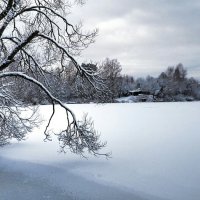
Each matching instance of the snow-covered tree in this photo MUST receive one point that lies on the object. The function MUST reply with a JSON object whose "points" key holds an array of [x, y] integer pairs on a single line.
{"points": [[36, 35]]}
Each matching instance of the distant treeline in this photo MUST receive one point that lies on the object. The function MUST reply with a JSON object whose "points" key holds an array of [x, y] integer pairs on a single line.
{"points": [[171, 85], [68, 86]]}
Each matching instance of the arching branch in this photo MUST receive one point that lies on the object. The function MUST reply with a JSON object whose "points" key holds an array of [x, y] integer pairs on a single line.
{"points": [[34, 36], [78, 135]]}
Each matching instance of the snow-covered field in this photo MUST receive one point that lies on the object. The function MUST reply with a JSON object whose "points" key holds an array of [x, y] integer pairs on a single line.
{"points": [[155, 155]]}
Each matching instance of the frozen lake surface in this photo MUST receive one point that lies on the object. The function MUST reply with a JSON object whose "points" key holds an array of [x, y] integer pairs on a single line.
{"points": [[155, 156]]}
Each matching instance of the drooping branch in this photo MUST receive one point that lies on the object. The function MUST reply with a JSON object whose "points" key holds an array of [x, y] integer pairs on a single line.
{"points": [[78, 135], [48, 93], [34, 36], [91, 76], [14, 124]]}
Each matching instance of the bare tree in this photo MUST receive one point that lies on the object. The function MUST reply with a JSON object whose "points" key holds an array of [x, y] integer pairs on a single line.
{"points": [[112, 72], [34, 36]]}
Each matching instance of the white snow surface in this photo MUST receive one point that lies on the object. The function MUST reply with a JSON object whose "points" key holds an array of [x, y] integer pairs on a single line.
{"points": [[155, 156]]}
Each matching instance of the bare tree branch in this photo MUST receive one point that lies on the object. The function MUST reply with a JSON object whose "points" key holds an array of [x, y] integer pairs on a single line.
{"points": [[10, 57], [35, 36], [79, 135], [6, 10]]}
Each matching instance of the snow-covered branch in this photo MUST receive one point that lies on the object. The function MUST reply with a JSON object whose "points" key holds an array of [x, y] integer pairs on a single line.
{"points": [[78, 135], [10, 57], [6, 10], [36, 36]]}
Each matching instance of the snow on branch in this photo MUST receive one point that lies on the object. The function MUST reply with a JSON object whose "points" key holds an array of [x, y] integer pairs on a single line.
{"points": [[10, 57], [36, 36], [78, 135], [5, 11]]}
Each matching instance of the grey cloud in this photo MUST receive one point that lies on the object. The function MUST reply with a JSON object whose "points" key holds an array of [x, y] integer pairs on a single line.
{"points": [[145, 36]]}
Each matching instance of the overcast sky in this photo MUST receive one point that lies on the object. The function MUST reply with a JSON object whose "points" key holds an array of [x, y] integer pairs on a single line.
{"points": [[146, 36]]}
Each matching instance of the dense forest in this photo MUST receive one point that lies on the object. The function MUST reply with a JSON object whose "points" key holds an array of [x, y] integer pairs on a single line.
{"points": [[67, 85]]}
